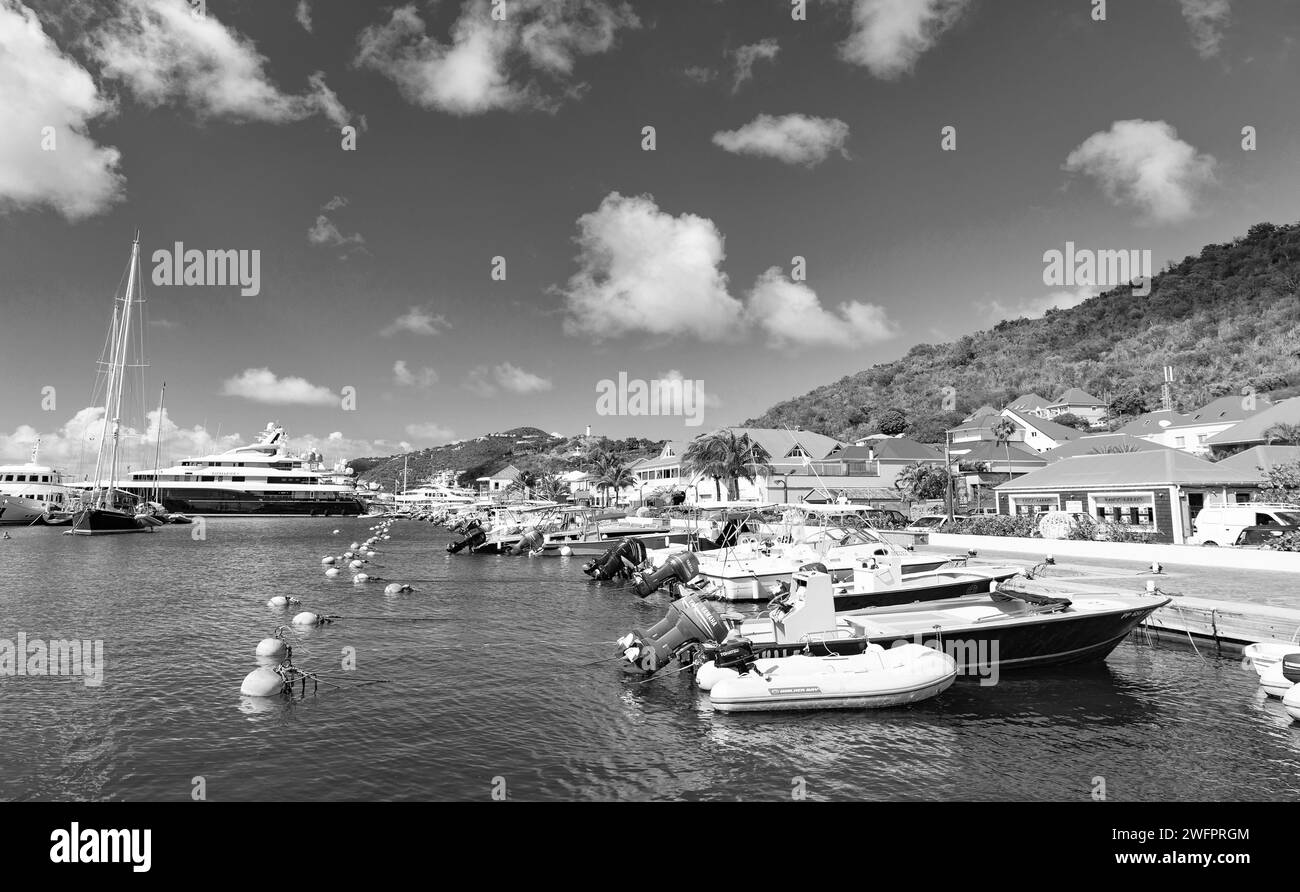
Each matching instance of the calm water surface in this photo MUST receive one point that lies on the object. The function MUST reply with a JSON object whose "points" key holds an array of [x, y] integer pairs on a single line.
{"points": [[491, 683]]}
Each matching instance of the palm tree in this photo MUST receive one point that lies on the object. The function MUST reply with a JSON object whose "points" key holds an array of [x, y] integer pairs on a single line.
{"points": [[921, 480], [522, 485], [611, 473], [551, 487], [1003, 430], [724, 456], [1115, 449], [1282, 433]]}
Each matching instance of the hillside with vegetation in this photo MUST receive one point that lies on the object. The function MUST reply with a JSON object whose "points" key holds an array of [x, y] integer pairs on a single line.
{"points": [[1225, 319], [527, 448]]}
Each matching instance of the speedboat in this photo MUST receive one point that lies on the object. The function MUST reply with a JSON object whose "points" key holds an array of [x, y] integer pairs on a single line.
{"points": [[876, 678], [1012, 627], [1264, 655], [756, 569]]}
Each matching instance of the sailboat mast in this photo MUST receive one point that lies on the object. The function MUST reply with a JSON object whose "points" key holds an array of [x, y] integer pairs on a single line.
{"points": [[157, 451], [124, 338], [108, 409]]}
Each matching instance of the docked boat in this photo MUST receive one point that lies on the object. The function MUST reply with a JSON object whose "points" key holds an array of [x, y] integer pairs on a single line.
{"points": [[262, 479], [876, 678], [883, 582], [104, 508], [32, 492], [1264, 655], [1013, 627], [756, 569]]}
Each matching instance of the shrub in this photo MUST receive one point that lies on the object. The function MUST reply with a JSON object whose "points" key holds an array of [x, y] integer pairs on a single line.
{"points": [[995, 525], [1289, 542]]}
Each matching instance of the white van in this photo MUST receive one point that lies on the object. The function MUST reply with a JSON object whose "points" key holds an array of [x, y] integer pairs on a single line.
{"points": [[1222, 524]]}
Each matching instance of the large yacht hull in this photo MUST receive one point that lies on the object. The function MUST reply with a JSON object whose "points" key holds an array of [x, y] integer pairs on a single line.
{"points": [[105, 521], [238, 503]]}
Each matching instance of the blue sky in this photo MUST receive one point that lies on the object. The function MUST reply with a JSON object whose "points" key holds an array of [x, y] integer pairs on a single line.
{"points": [[480, 137]]}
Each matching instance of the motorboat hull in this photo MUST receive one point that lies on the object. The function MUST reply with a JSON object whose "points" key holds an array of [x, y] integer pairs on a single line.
{"points": [[940, 587], [873, 680]]}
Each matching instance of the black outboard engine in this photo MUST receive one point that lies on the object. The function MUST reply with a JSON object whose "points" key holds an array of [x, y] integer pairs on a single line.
{"points": [[679, 567], [529, 541], [471, 540], [688, 621], [619, 560]]}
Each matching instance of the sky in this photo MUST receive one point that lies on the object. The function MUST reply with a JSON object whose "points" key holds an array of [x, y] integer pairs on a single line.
{"points": [[463, 224]]}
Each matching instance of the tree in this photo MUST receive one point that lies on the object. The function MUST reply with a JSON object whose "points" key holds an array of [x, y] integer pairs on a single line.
{"points": [[724, 456], [892, 422], [611, 473], [552, 488], [1127, 405], [1282, 433], [1069, 419], [1281, 484], [522, 485], [1003, 430], [922, 480]]}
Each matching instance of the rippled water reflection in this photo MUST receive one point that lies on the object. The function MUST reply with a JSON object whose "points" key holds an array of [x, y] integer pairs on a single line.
{"points": [[494, 684]]}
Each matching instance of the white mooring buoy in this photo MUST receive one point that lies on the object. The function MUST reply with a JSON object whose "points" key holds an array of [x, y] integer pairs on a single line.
{"points": [[332, 572], [262, 683], [282, 601], [270, 647], [360, 578], [565, 551], [307, 618]]}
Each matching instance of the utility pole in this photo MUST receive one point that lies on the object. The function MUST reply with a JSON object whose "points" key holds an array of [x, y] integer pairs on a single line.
{"points": [[947, 469]]}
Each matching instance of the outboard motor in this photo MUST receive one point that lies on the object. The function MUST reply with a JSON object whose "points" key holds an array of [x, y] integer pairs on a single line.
{"points": [[471, 540], [529, 541], [618, 560], [679, 567], [688, 621]]}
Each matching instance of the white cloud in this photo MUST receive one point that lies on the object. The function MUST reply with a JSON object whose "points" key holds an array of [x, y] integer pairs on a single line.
{"points": [[790, 313], [644, 270], [41, 87], [1037, 307], [423, 379], [165, 54], [1207, 19], [516, 380], [700, 74], [430, 431], [263, 386], [506, 376], [491, 64], [747, 55], [417, 320], [338, 201], [890, 35], [709, 401], [794, 139], [324, 233], [1145, 164], [303, 15]]}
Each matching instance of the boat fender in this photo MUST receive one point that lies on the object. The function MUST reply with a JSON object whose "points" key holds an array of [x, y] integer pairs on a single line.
{"points": [[332, 572], [262, 682]]}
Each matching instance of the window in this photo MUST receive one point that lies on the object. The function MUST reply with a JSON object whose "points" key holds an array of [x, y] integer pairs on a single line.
{"points": [[1264, 520], [1180, 442], [22, 478]]}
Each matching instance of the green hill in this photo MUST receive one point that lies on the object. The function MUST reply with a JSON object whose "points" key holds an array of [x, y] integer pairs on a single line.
{"points": [[1225, 319], [527, 448]]}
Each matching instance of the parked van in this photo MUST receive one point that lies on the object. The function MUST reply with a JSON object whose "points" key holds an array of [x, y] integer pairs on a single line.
{"points": [[1223, 524]]}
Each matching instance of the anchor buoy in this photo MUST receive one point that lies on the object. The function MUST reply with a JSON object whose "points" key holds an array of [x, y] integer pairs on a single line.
{"points": [[355, 545], [360, 578], [335, 533], [282, 601], [397, 588], [327, 560], [565, 551], [262, 683], [307, 618], [332, 572], [357, 565], [270, 647]]}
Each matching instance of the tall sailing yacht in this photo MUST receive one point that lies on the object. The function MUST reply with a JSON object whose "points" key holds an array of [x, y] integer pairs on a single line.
{"points": [[104, 507]]}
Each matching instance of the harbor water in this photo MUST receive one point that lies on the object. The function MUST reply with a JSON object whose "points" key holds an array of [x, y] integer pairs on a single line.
{"points": [[494, 677]]}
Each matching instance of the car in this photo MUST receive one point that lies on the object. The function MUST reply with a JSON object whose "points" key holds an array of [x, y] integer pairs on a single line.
{"points": [[1224, 524], [928, 523], [1260, 535]]}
